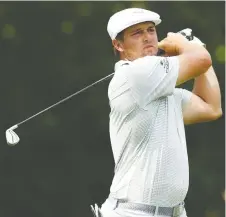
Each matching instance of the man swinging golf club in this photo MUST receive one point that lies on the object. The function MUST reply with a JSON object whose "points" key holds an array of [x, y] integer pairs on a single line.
{"points": [[148, 114]]}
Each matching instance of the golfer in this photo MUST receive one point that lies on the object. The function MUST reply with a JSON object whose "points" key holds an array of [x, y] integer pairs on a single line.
{"points": [[148, 114]]}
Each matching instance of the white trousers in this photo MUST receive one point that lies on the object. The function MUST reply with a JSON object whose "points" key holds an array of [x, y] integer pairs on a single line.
{"points": [[108, 210]]}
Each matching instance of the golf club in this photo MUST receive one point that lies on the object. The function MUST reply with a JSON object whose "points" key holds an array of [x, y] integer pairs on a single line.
{"points": [[12, 138]]}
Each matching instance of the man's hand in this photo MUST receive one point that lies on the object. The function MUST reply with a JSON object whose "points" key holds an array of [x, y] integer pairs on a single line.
{"points": [[186, 33], [173, 44]]}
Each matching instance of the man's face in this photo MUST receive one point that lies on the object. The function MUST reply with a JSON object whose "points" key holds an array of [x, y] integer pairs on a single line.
{"points": [[139, 40]]}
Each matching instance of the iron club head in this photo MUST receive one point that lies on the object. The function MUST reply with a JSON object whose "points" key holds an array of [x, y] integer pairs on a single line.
{"points": [[11, 137]]}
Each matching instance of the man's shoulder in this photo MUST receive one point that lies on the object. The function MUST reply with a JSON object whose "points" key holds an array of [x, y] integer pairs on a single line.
{"points": [[119, 79]]}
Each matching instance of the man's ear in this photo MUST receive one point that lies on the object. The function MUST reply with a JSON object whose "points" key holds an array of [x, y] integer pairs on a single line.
{"points": [[117, 45]]}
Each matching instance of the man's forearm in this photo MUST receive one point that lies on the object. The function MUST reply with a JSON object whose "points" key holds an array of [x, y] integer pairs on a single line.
{"points": [[206, 86]]}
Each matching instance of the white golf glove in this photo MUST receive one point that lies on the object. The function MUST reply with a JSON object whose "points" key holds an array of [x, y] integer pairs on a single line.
{"points": [[190, 37]]}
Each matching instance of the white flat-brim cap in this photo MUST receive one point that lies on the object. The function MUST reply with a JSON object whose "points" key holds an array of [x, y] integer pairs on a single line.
{"points": [[129, 17]]}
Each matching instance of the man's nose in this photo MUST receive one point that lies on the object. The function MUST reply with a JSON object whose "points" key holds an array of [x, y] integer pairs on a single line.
{"points": [[146, 37]]}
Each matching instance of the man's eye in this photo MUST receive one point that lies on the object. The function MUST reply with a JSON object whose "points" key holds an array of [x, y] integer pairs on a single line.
{"points": [[151, 30], [137, 33]]}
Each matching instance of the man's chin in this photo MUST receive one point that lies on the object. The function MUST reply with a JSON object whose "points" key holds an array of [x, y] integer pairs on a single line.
{"points": [[151, 53]]}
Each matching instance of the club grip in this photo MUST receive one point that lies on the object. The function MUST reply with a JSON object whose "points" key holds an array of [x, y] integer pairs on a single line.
{"points": [[160, 52]]}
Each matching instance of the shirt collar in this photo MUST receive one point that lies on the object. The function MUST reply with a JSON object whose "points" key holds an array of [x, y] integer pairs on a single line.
{"points": [[121, 63]]}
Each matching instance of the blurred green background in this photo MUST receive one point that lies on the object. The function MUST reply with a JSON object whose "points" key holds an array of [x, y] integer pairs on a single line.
{"points": [[64, 161]]}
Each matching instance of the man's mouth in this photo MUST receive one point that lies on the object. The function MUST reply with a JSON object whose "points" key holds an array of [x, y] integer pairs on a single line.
{"points": [[148, 46]]}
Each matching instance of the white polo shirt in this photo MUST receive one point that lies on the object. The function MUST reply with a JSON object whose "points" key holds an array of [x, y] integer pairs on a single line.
{"points": [[147, 132]]}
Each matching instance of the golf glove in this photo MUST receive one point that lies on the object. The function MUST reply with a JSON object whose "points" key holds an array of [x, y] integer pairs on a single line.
{"points": [[187, 33]]}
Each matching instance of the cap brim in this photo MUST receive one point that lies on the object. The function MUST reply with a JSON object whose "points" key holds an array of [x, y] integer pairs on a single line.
{"points": [[156, 22]]}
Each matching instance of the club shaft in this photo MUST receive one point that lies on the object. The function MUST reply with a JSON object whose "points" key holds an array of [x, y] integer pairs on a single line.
{"points": [[63, 100], [160, 52]]}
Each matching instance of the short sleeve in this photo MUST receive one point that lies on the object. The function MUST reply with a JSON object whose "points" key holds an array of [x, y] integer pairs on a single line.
{"points": [[184, 96], [152, 77]]}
